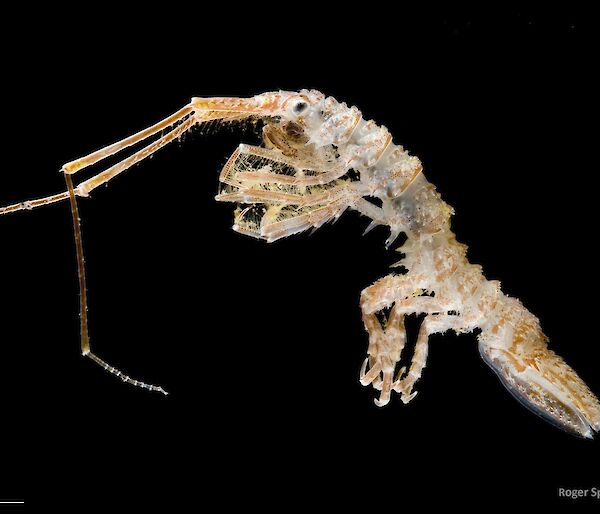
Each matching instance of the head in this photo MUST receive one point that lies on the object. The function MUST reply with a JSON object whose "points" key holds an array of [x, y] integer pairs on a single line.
{"points": [[294, 183], [307, 117]]}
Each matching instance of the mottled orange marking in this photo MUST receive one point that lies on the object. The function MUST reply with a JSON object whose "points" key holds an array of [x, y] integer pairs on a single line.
{"points": [[517, 365]]}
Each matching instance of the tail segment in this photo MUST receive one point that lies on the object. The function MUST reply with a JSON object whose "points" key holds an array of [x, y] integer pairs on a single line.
{"points": [[540, 379]]}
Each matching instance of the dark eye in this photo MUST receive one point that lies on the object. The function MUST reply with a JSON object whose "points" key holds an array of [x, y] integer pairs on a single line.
{"points": [[300, 107], [293, 129]]}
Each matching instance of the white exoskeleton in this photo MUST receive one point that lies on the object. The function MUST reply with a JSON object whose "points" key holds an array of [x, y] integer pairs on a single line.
{"points": [[320, 157]]}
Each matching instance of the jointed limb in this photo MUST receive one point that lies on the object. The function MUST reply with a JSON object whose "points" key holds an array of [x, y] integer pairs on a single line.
{"points": [[385, 350], [385, 346], [431, 325], [389, 290], [312, 219], [304, 180], [333, 172], [279, 197]]}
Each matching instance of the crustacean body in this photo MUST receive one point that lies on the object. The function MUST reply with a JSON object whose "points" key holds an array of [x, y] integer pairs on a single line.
{"points": [[320, 157]]}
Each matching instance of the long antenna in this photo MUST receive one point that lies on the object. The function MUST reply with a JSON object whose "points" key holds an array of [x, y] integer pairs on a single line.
{"points": [[83, 309]]}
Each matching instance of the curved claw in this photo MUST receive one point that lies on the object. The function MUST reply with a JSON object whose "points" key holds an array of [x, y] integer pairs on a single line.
{"points": [[408, 397], [404, 387], [368, 377], [386, 389], [363, 369]]}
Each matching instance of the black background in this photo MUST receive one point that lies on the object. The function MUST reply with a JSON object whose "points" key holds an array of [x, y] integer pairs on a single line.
{"points": [[260, 345]]}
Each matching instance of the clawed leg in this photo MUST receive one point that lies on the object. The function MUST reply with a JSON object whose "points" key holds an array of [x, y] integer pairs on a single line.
{"points": [[432, 324], [386, 345], [385, 350]]}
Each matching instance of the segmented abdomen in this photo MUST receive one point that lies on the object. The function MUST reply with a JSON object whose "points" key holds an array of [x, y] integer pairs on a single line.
{"points": [[514, 346]]}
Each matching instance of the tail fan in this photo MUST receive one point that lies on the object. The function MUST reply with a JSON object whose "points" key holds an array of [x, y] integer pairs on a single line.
{"points": [[545, 384]]}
